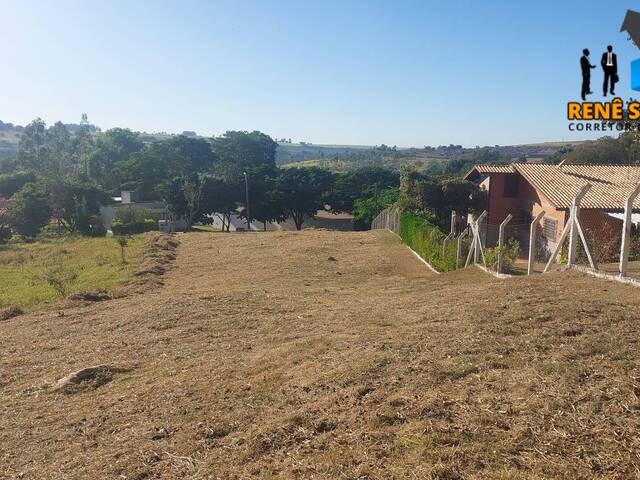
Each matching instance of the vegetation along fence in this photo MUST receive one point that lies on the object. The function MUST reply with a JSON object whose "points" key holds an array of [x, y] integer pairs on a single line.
{"points": [[443, 252], [522, 245]]}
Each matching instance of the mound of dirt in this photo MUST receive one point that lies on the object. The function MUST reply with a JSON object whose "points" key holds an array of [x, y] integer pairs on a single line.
{"points": [[92, 296], [158, 257], [88, 378], [10, 312]]}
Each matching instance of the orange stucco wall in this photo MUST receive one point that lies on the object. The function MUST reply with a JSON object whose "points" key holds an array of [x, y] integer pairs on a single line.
{"points": [[528, 204]]}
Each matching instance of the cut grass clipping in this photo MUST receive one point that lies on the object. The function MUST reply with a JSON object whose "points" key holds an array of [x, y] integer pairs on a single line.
{"points": [[37, 274]]}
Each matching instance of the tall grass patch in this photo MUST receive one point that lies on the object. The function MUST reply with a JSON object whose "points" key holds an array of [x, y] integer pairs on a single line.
{"points": [[427, 240], [36, 274]]}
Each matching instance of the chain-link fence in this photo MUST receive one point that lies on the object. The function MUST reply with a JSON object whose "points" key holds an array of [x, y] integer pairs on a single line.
{"points": [[524, 244], [388, 218]]}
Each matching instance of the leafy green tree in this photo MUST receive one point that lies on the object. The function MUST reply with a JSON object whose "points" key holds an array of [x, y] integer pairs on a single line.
{"points": [[74, 201], [460, 195], [183, 198], [303, 192], [265, 200], [11, 183], [436, 197], [29, 211], [5, 222], [109, 152], [606, 150], [242, 151], [221, 198], [359, 183], [164, 160], [368, 207], [32, 150], [53, 152]]}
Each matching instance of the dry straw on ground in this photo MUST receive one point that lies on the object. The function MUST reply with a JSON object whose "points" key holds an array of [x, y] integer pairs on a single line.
{"points": [[260, 357]]}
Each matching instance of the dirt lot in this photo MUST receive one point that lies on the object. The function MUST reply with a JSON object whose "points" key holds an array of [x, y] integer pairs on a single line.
{"points": [[327, 355]]}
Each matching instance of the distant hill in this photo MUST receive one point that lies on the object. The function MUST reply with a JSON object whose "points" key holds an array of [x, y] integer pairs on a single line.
{"points": [[450, 159], [300, 152], [344, 157]]}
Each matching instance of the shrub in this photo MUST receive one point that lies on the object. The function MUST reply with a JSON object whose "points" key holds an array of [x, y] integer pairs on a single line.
{"points": [[60, 277], [5, 233], [509, 253], [131, 214], [427, 240], [29, 211], [132, 228], [131, 220]]}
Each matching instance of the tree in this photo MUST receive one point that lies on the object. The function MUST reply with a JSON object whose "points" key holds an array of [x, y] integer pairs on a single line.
{"points": [[29, 211], [368, 207], [359, 183], [74, 201], [242, 151], [183, 197], [221, 198], [11, 183], [164, 160], [606, 150], [303, 192], [265, 202], [110, 151], [32, 150], [437, 197], [5, 221]]}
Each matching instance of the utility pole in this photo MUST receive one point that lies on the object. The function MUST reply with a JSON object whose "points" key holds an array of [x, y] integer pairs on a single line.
{"points": [[246, 184]]}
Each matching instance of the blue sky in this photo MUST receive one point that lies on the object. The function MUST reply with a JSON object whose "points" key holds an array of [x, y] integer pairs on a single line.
{"points": [[406, 73]]}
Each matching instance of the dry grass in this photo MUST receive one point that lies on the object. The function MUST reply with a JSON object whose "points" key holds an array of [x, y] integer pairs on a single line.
{"points": [[260, 357]]}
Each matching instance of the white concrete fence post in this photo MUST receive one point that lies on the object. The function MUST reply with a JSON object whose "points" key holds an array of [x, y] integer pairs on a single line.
{"points": [[532, 241], [625, 247], [501, 242], [573, 229], [479, 249], [464, 233], [475, 250], [452, 232]]}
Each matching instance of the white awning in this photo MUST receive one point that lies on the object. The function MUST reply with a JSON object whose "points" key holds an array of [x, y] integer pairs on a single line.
{"points": [[635, 217]]}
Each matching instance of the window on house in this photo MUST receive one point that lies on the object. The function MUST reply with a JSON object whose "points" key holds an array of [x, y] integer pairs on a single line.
{"points": [[511, 186], [549, 228]]}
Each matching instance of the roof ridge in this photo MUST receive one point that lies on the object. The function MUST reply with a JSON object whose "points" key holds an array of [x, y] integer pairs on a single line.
{"points": [[634, 165]]}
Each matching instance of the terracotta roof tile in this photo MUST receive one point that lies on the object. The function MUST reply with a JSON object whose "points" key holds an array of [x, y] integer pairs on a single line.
{"points": [[611, 184], [488, 168]]}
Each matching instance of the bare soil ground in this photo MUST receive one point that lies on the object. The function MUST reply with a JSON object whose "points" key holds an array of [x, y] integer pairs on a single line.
{"points": [[326, 355]]}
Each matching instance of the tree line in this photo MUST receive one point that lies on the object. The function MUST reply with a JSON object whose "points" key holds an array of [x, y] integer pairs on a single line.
{"points": [[66, 176]]}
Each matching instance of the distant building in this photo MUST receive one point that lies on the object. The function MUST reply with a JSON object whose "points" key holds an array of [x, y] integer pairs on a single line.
{"points": [[156, 209]]}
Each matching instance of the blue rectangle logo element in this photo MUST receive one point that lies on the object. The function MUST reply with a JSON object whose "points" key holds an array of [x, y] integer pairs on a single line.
{"points": [[635, 75]]}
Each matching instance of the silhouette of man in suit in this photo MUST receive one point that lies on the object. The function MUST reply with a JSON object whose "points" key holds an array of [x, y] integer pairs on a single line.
{"points": [[586, 67], [609, 64]]}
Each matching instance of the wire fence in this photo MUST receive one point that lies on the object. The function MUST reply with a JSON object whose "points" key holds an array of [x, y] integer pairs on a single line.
{"points": [[388, 218], [520, 244]]}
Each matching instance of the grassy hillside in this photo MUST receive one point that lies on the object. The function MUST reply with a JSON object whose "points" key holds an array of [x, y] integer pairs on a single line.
{"points": [[37, 274]]}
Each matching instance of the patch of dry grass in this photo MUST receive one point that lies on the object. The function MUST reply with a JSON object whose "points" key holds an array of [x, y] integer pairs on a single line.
{"points": [[289, 365]]}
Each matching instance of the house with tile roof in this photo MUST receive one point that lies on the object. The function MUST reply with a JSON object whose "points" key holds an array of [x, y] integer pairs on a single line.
{"points": [[525, 189]]}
